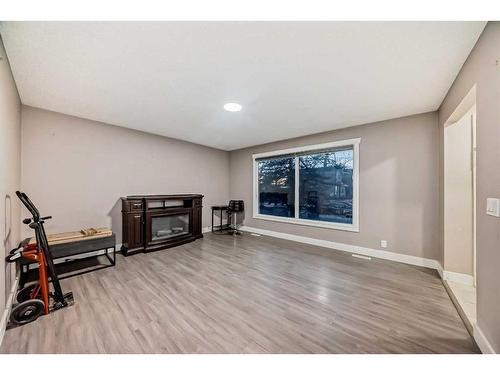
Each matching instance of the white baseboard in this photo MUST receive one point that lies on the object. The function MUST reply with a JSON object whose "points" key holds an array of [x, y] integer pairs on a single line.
{"points": [[460, 278], [8, 307], [440, 270], [482, 341], [408, 259]]}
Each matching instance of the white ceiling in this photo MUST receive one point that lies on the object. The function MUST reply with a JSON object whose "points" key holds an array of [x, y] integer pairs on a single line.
{"points": [[292, 78]]}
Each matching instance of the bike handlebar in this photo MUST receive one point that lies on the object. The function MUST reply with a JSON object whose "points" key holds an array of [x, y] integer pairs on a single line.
{"points": [[29, 205]]}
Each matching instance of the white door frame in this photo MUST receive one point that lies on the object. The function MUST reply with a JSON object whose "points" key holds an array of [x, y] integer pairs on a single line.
{"points": [[467, 107], [474, 193]]}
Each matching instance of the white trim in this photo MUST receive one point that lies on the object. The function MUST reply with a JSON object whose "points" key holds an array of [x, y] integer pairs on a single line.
{"points": [[321, 146], [440, 270], [482, 341], [297, 190], [311, 223], [255, 188], [467, 106], [460, 278], [355, 182], [361, 256], [354, 227], [467, 102], [388, 255], [8, 307], [206, 229], [474, 193]]}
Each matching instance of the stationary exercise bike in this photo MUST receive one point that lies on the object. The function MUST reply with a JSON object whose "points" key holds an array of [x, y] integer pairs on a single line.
{"points": [[34, 300]]}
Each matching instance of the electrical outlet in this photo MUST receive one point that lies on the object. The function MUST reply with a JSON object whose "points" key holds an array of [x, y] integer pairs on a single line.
{"points": [[493, 207], [383, 244]]}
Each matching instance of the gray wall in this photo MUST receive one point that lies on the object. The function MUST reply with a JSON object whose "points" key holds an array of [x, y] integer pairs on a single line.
{"points": [[398, 185], [76, 170], [483, 68], [10, 171]]}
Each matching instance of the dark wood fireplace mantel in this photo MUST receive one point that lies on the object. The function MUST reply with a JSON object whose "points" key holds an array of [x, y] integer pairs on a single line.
{"points": [[156, 222]]}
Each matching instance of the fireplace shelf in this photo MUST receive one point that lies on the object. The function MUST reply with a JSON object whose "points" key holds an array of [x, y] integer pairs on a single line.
{"points": [[156, 222]]}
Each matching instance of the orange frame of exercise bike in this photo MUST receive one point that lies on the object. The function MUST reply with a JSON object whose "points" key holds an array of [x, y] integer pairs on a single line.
{"points": [[34, 253]]}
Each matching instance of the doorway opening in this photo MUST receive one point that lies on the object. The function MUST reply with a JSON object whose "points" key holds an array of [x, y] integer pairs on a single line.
{"points": [[460, 208]]}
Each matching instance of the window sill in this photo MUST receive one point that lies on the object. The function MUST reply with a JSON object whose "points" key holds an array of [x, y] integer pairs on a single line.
{"points": [[310, 223]]}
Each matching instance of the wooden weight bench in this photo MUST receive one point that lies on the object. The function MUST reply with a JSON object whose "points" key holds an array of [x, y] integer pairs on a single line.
{"points": [[75, 253]]}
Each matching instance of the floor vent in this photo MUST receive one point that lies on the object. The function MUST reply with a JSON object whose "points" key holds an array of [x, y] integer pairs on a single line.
{"points": [[361, 256]]}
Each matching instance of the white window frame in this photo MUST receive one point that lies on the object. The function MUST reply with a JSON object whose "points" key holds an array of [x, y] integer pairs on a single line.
{"points": [[354, 227]]}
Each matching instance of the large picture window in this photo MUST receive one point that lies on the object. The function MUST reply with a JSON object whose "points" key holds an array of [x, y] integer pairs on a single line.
{"points": [[313, 185]]}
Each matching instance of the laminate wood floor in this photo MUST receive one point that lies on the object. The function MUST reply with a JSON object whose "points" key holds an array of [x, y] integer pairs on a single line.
{"points": [[248, 294]]}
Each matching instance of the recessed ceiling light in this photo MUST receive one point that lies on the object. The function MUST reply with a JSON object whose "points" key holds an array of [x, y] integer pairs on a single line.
{"points": [[232, 107]]}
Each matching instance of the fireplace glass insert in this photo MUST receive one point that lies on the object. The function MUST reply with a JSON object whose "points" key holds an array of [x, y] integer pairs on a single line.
{"points": [[164, 227]]}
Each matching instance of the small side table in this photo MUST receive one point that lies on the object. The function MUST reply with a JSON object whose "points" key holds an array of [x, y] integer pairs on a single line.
{"points": [[221, 209]]}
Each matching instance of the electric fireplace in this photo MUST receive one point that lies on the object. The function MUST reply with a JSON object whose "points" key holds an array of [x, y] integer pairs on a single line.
{"points": [[155, 222], [168, 226]]}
